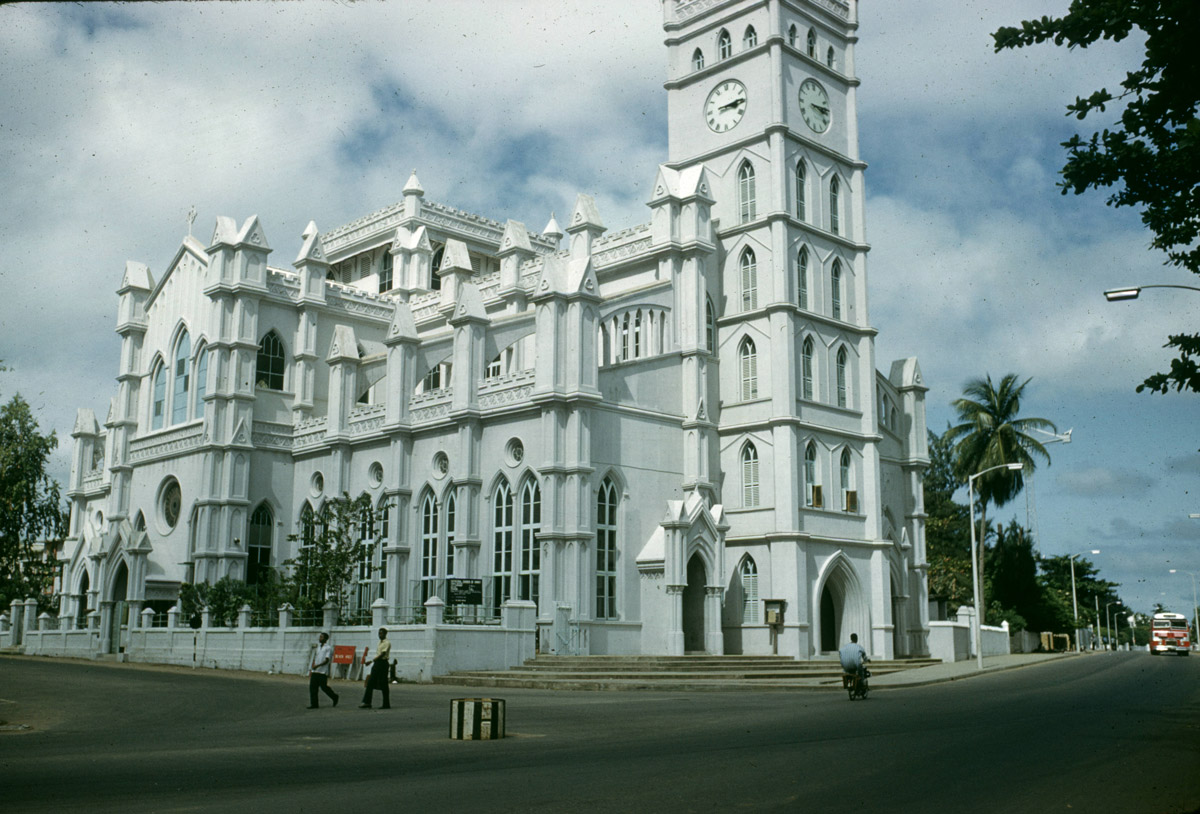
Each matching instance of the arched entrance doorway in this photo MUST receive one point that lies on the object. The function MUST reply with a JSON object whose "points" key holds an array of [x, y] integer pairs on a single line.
{"points": [[120, 590], [81, 602], [843, 609], [693, 606]]}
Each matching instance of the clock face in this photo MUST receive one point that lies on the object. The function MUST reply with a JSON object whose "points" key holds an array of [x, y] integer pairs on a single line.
{"points": [[725, 106], [814, 105]]}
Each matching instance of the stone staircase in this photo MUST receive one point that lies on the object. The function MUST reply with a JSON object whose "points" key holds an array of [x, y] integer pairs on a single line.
{"points": [[694, 672]]}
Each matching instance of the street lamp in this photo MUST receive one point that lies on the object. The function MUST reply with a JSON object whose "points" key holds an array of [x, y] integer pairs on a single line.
{"points": [[1108, 620], [1075, 601], [975, 576], [1131, 292]]}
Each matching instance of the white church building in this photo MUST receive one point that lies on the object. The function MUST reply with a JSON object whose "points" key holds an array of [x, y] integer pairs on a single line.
{"points": [[673, 435]]}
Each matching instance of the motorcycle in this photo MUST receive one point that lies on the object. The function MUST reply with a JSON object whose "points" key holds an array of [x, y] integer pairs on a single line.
{"points": [[856, 683]]}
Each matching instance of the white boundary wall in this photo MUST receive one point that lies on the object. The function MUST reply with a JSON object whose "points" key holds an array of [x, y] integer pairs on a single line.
{"points": [[421, 651]]}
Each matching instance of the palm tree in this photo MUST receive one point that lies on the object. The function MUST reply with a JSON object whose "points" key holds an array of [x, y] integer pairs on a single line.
{"points": [[991, 434]]}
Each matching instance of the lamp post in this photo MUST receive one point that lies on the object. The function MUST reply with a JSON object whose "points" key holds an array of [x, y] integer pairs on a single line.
{"points": [[1107, 619], [1096, 597], [975, 575], [1131, 292], [1075, 601]]}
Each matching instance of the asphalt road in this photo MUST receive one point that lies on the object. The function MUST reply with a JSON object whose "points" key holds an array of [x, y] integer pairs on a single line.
{"points": [[1098, 733]]}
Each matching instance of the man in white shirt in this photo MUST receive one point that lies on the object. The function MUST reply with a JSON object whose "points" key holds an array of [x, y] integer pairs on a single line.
{"points": [[318, 671], [852, 655]]}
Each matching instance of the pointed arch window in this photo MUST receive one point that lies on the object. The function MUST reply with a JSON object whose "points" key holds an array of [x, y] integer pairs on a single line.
{"points": [[370, 586], [849, 496], [812, 43], [747, 195], [308, 536], [835, 215], [502, 546], [385, 272], [451, 517], [531, 549], [802, 277], [697, 60], [750, 491], [710, 325], [750, 38], [812, 489], [748, 359], [182, 379], [801, 190], [259, 544], [269, 364], [749, 578], [806, 369], [829, 57], [435, 279], [625, 338], [792, 35], [159, 407], [429, 547], [637, 335], [841, 377], [835, 289], [606, 551], [724, 45], [201, 381], [749, 269]]}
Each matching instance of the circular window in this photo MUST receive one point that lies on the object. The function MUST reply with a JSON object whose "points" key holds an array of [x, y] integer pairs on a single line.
{"points": [[170, 503], [514, 452], [317, 484], [441, 464], [375, 474]]}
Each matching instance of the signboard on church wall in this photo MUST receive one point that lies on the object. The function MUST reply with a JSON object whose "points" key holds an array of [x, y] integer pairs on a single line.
{"points": [[464, 592]]}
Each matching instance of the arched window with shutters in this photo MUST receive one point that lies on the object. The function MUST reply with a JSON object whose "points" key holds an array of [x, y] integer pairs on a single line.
{"points": [[749, 579], [747, 194], [806, 370], [748, 360], [750, 38], [846, 475], [259, 544], [802, 277], [182, 378], [835, 289], [812, 487], [637, 334], [749, 276], [811, 46], [835, 214], [697, 60], [606, 551], [625, 355], [750, 488], [801, 190], [792, 35], [842, 398], [385, 272], [829, 58], [724, 45], [435, 279], [270, 362]]}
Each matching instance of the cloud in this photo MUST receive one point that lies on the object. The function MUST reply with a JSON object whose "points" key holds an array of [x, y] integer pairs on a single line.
{"points": [[1100, 482]]}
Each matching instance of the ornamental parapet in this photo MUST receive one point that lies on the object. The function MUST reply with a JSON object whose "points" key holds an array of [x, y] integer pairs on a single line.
{"points": [[166, 444]]}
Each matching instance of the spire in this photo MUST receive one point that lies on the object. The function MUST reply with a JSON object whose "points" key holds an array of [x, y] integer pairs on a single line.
{"points": [[413, 187]]}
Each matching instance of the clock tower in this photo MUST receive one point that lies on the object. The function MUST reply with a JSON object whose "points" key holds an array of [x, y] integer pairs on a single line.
{"points": [[762, 94]]}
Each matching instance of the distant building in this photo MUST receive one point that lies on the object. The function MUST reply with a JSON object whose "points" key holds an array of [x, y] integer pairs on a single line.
{"points": [[649, 433]]}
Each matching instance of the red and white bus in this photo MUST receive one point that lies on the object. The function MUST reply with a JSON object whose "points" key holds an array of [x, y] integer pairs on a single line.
{"points": [[1169, 634]]}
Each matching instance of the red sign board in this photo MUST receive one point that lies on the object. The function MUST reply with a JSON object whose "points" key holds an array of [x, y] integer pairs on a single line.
{"points": [[343, 654]]}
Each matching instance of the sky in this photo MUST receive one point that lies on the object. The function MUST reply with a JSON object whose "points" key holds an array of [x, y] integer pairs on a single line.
{"points": [[116, 119]]}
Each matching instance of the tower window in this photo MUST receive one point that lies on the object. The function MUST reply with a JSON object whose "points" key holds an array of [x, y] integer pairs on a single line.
{"points": [[748, 359], [160, 398], [201, 381], [697, 59], [749, 269], [829, 60], [747, 204], [848, 503], [750, 38], [835, 289], [724, 45], [792, 35], [269, 364], [812, 43], [812, 489], [802, 278], [750, 493], [835, 219], [710, 325], [801, 191], [385, 273], [806, 369], [841, 377]]}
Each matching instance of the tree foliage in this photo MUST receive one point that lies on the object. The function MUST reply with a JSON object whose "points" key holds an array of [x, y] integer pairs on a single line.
{"points": [[1151, 156], [331, 550], [32, 518]]}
